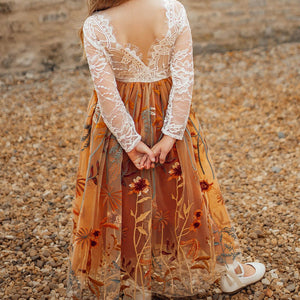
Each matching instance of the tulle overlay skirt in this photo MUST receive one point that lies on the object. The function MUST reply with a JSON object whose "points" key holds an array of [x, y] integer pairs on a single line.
{"points": [[160, 231]]}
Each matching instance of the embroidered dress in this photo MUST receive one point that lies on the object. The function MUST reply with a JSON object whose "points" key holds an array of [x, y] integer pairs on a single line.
{"points": [[140, 232]]}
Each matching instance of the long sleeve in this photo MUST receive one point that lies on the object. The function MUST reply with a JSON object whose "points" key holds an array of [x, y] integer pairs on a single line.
{"points": [[182, 72], [110, 104]]}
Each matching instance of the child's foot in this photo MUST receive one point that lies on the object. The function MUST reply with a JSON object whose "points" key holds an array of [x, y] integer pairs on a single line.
{"points": [[243, 275], [248, 270]]}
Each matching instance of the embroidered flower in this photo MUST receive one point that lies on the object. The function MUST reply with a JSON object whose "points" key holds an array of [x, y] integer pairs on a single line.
{"points": [[82, 236], [96, 233], [198, 213], [161, 219], [195, 225], [205, 186], [139, 186], [94, 243], [176, 171]]}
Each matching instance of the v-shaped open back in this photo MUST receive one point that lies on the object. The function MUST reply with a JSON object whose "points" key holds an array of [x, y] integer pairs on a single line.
{"points": [[137, 30], [139, 48]]}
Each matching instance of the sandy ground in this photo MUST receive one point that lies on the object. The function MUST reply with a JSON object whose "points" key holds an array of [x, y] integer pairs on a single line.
{"points": [[248, 103]]}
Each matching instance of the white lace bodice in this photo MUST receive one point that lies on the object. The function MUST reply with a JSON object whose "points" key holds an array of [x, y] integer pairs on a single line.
{"points": [[109, 61]]}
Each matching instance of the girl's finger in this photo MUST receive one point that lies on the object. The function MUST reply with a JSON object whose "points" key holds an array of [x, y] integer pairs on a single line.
{"points": [[162, 157], [143, 160], [149, 152]]}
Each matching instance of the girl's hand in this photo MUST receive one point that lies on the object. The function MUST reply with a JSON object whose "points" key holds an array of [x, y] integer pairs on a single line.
{"points": [[142, 156], [161, 149]]}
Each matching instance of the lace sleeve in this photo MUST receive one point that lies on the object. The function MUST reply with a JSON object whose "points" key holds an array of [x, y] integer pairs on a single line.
{"points": [[182, 71], [112, 108]]}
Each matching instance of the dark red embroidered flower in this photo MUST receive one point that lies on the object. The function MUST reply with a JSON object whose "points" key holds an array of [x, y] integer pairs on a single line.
{"points": [[176, 171], [196, 224], [139, 186], [93, 243], [205, 186], [198, 213]]}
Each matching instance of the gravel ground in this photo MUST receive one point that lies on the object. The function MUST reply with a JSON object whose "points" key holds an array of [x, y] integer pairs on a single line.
{"points": [[248, 104]]}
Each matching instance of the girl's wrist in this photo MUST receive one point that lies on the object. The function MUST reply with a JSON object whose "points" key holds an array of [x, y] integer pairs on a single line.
{"points": [[171, 139]]}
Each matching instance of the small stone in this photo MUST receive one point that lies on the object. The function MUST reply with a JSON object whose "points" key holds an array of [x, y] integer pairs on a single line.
{"points": [[276, 169], [64, 187], [291, 287], [32, 252], [273, 274], [46, 290], [40, 263], [52, 286], [268, 292], [265, 281], [46, 253], [281, 135], [259, 233], [259, 295], [279, 283], [35, 257]]}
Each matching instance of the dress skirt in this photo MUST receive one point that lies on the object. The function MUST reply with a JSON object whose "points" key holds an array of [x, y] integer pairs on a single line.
{"points": [[140, 232]]}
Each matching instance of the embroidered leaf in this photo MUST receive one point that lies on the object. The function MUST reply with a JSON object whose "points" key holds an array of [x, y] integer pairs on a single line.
{"points": [[142, 230], [180, 201], [169, 270], [145, 262], [95, 292], [202, 258], [149, 225], [131, 213], [125, 277], [172, 258], [159, 279], [110, 225], [142, 216], [180, 215], [123, 287], [96, 282], [176, 278], [198, 267], [143, 199]]}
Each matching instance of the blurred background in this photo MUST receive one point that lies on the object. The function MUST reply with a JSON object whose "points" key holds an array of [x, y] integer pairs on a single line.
{"points": [[41, 35]]}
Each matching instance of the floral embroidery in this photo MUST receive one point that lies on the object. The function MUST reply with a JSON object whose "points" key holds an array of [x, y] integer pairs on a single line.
{"points": [[161, 219], [176, 171], [195, 225], [139, 186], [205, 186], [198, 213]]}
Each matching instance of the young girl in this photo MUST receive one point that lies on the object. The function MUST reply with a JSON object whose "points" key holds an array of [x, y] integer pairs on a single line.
{"points": [[149, 217]]}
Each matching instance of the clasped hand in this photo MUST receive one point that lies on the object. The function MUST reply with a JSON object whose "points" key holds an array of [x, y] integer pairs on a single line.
{"points": [[145, 158]]}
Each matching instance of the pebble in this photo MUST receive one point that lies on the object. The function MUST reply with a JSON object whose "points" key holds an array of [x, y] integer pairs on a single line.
{"points": [[268, 292], [281, 135], [276, 169], [265, 281], [46, 253], [291, 287]]}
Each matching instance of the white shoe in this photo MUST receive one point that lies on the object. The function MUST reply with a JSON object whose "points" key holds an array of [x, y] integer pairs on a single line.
{"points": [[232, 282]]}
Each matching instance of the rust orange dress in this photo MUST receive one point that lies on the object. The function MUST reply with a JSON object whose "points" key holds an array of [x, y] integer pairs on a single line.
{"points": [[138, 233]]}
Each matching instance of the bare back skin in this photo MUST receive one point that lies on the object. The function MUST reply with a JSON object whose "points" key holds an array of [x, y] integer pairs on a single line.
{"points": [[139, 23]]}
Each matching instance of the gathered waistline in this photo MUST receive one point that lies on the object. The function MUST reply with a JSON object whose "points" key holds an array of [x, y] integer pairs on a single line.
{"points": [[141, 81]]}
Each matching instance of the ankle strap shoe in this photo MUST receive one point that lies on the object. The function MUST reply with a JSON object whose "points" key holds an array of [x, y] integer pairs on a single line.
{"points": [[231, 282]]}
